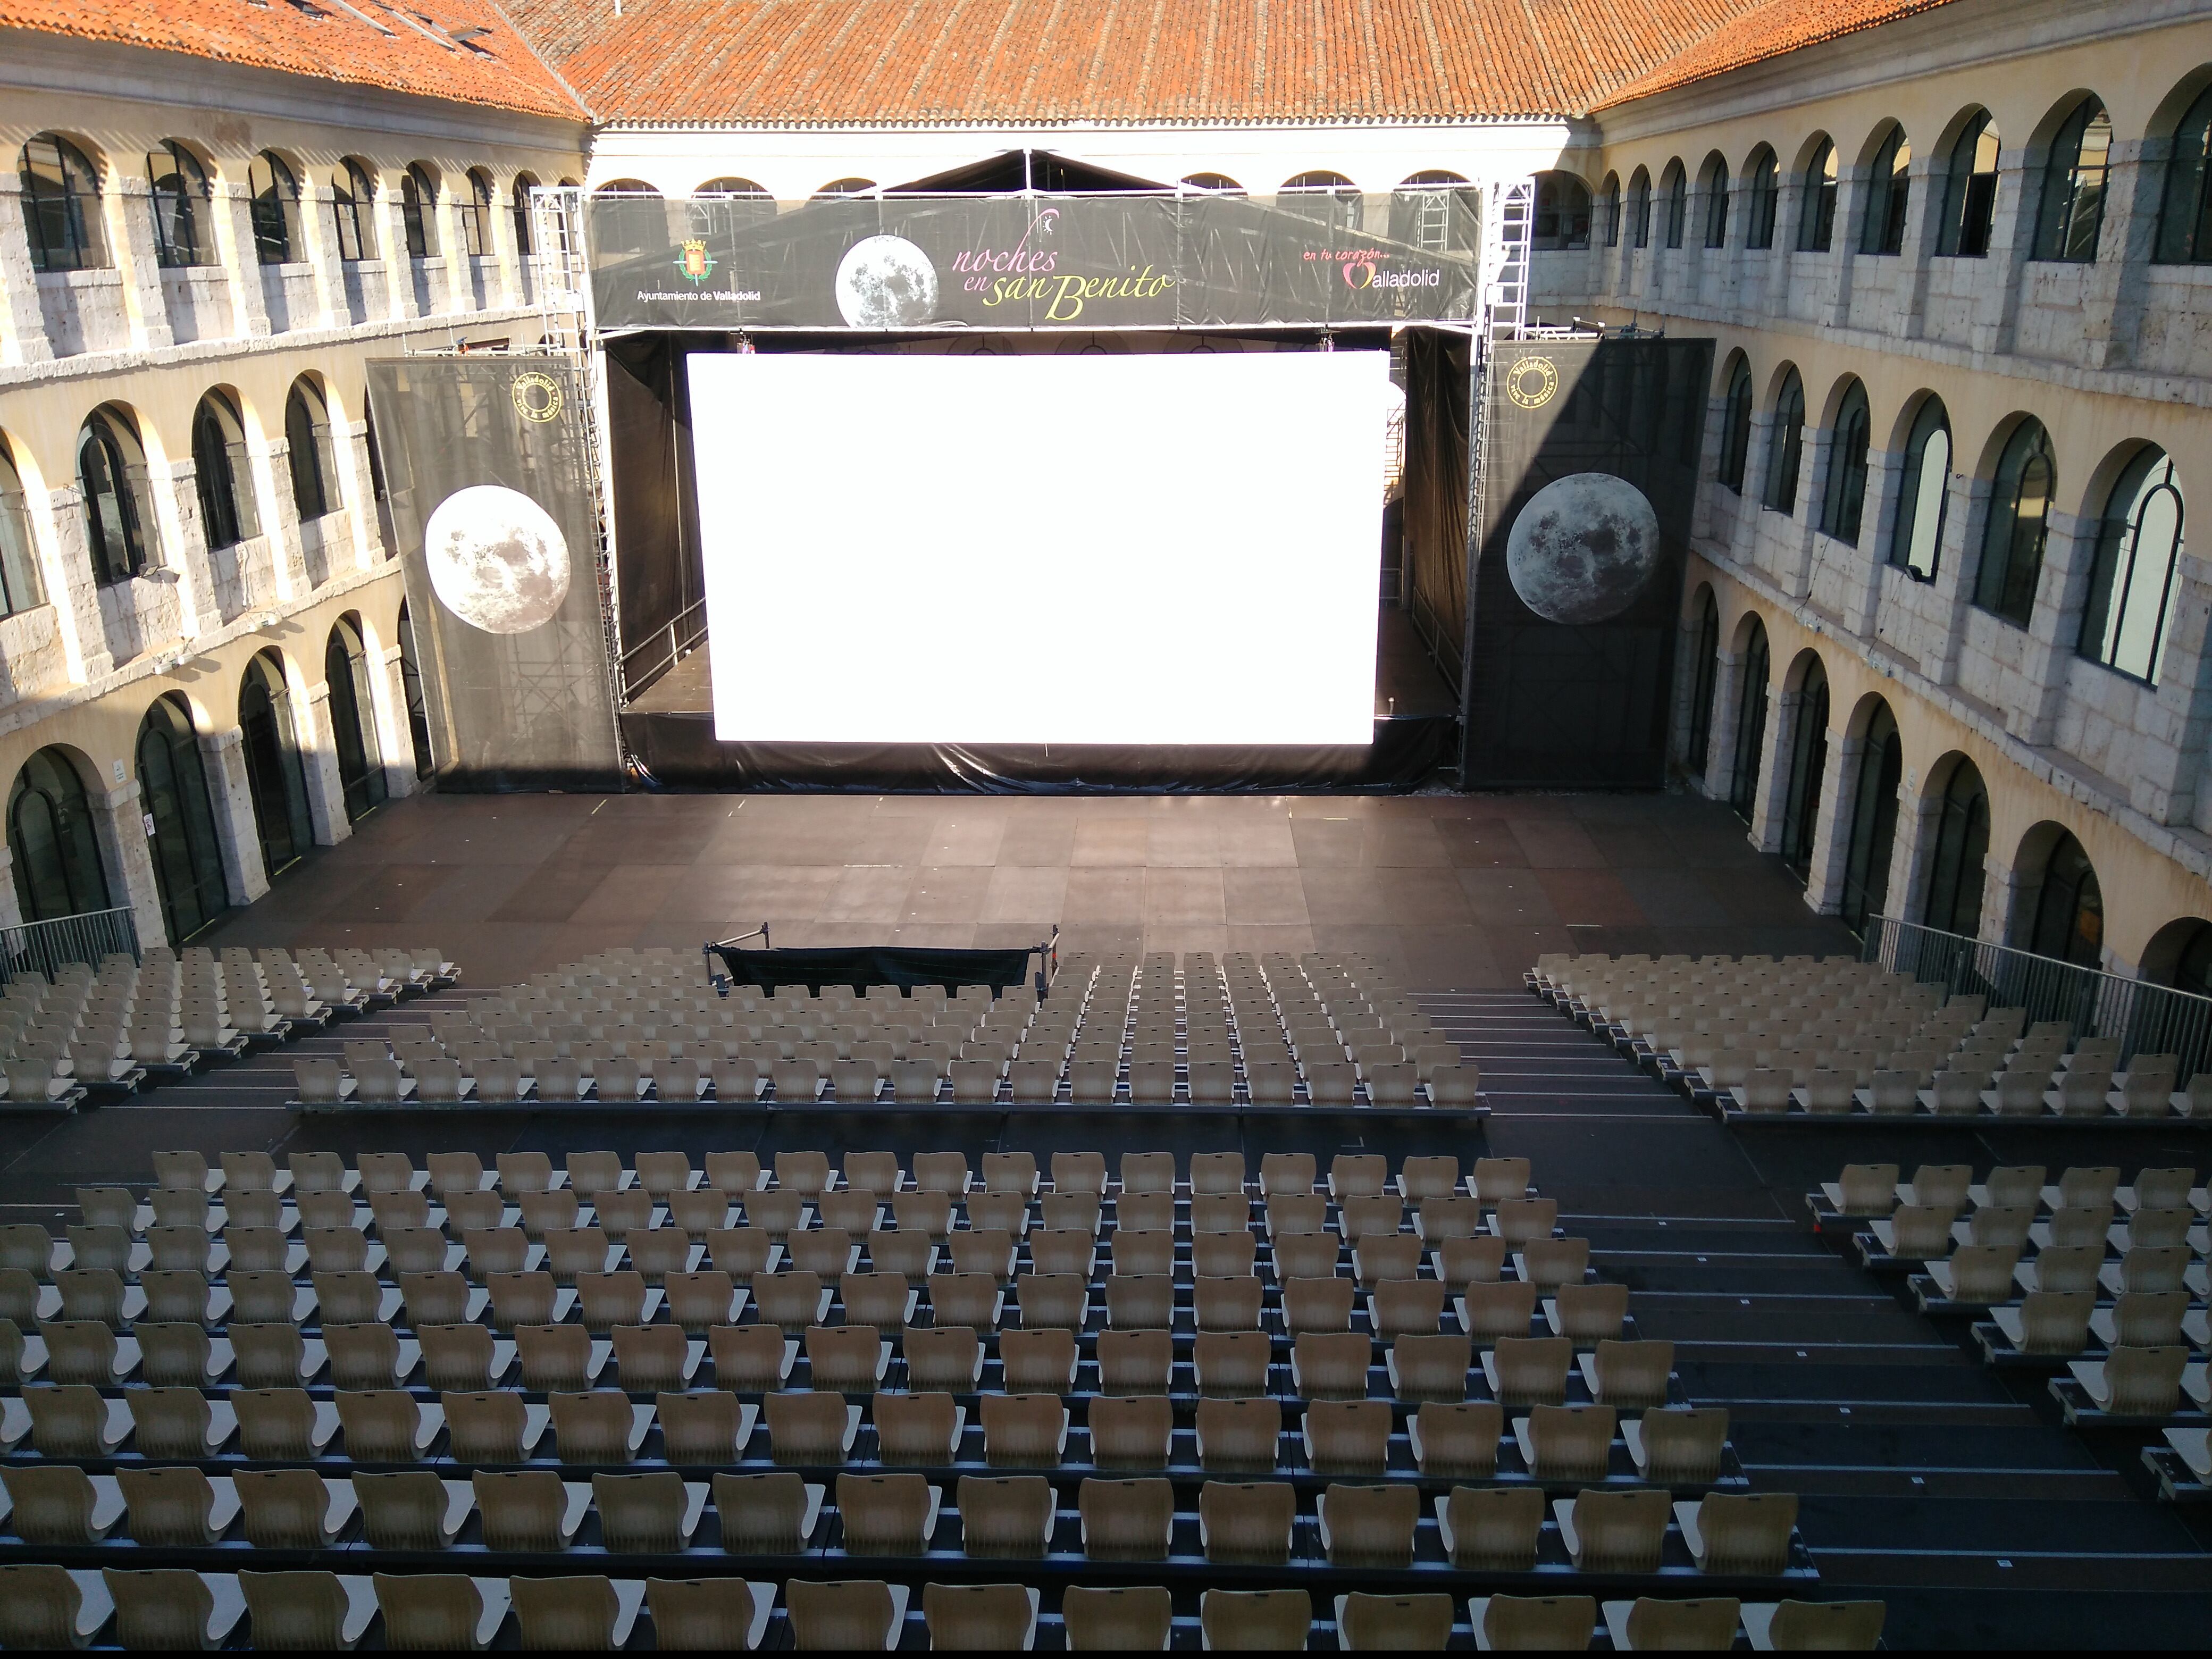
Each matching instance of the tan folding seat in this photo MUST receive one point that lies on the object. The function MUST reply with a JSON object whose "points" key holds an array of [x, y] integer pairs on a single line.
{"points": [[1220, 1212], [1560, 1623], [1239, 1434], [1568, 1442], [102, 1247], [925, 1210], [1330, 1364], [948, 1357], [307, 1610], [1456, 1439], [725, 1614], [1496, 1312], [809, 1429], [1006, 1516], [1148, 1213], [1614, 1531], [1223, 1255], [921, 1429], [386, 1425], [581, 1612], [1143, 1302], [1528, 1371], [885, 1300], [1126, 1520], [1078, 1172], [1284, 1173], [1130, 1433], [754, 1358], [530, 1510], [1228, 1304], [742, 1251], [289, 1508], [2133, 1382], [1361, 1216], [1233, 1364], [1142, 1250], [57, 1505], [656, 1512], [828, 1252], [1305, 1255], [974, 1300], [1215, 1173], [1429, 1367], [2143, 1268], [1039, 1361], [1496, 1179], [853, 1613], [1274, 1620], [1245, 1523], [1317, 1304], [281, 1425], [1810, 1627], [178, 1508], [1740, 1532], [172, 1608], [492, 1427], [1406, 1307], [850, 1358], [1386, 1256], [545, 1213], [1677, 1445], [771, 1514], [1148, 1172], [558, 1357], [1137, 1360], [886, 1514], [793, 1300], [175, 1422], [1349, 1437], [984, 1250], [1548, 1263]]}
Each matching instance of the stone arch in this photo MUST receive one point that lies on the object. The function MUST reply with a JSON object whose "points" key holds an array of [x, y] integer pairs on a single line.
{"points": [[60, 865], [349, 675], [276, 754], [175, 793], [2059, 909], [2179, 955], [1867, 810], [2055, 115], [1954, 812]]}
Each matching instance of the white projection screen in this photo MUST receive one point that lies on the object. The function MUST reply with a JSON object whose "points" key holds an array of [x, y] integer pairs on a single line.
{"points": [[1042, 549]]}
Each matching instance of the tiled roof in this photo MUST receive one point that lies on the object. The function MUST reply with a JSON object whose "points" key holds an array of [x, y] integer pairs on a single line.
{"points": [[365, 42], [885, 62], [1765, 32]]}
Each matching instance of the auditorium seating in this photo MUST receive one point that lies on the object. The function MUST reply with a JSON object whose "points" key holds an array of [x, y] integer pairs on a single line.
{"points": [[1040, 1360], [1806, 1041], [1274, 1031]]}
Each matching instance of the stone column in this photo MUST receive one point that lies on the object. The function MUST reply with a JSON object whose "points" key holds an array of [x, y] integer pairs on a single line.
{"points": [[1793, 545], [2012, 238], [198, 610], [233, 211], [2008, 903], [326, 806], [349, 448], [2069, 551], [1831, 836], [1720, 746], [236, 830], [1755, 455], [1913, 860], [391, 224], [1958, 563], [1854, 195], [321, 253], [1772, 803], [71, 591], [2118, 285], [129, 208], [396, 736], [1701, 510], [2167, 782], [120, 825], [280, 523], [22, 319], [1863, 603], [11, 905], [1924, 226]]}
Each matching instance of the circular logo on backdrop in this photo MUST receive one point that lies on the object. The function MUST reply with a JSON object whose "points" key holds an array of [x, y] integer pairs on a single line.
{"points": [[537, 397], [886, 281], [1582, 547], [1532, 382], [497, 560]]}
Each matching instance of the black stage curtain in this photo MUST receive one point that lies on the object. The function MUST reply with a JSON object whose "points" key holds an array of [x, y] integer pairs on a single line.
{"points": [[658, 575], [861, 967], [1436, 494]]}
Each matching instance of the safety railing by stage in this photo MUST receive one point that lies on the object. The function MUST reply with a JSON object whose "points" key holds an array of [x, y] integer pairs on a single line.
{"points": [[45, 947], [2147, 1018]]}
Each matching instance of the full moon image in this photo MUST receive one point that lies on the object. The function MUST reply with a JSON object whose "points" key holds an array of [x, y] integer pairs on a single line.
{"points": [[1582, 547], [886, 281], [497, 560]]}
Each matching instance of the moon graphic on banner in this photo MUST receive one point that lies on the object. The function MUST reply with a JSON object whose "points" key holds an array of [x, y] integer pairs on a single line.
{"points": [[1582, 547], [497, 560], [886, 281]]}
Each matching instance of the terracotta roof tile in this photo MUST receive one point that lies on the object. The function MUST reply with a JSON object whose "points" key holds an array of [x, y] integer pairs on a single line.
{"points": [[364, 42], [1769, 31]]}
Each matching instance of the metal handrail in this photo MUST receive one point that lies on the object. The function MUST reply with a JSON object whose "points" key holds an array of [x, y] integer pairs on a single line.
{"points": [[2147, 1018], [44, 947]]}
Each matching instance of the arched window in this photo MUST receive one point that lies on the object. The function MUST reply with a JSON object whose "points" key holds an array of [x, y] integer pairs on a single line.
{"points": [[1750, 725], [1707, 671], [418, 211], [1765, 199], [1562, 212], [1962, 848], [1329, 199], [173, 789], [353, 722], [307, 437], [220, 472], [1970, 191], [2069, 920], [353, 200], [1874, 822], [1816, 201], [1611, 210], [1676, 184], [178, 190], [1714, 182], [1889, 193], [1440, 213], [1843, 501], [474, 208], [1923, 494], [20, 586], [524, 243], [1639, 209], [2131, 585], [418, 709], [2073, 208], [2020, 514], [2184, 214], [1808, 759], [110, 471], [273, 773], [1786, 446], [1217, 184], [61, 205], [2192, 962], [1735, 426], [50, 834], [834, 188], [275, 193]]}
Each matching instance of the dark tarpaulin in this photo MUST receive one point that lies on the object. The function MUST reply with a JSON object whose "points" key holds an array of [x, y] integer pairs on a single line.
{"points": [[862, 966], [658, 576], [1436, 386]]}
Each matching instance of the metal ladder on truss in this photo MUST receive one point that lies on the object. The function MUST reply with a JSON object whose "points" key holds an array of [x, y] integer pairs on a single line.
{"points": [[1510, 210]]}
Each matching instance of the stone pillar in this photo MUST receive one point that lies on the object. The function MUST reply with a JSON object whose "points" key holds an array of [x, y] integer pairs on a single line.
{"points": [[1923, 227], [236, 830], [233, 211], [1913, 860], [2115, 288], [1958, 563], [396, 736], [71, 591], [349, 448], [321, 253], [120, 825], [22, 321], [2069, 551], [129, 210], [1755, 454], [280, 523], [1831, 836], [2167, 782], [391, 224], [11, 905], [1854, 194], [1701, 510], [1863, 602], [1793, 545], [1771, 805], [198, 610], [2012, 239], [318, 760], [1720, 747], [2008, 903]]}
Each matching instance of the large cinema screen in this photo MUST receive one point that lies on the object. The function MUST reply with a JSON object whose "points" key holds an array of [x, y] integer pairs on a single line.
{"points": [[1024, 549]]}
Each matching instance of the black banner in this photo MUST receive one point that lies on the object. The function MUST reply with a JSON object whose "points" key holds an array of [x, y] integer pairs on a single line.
{"points": [[1120, 260], [862, 966], [1589, 477], [488, 485]]}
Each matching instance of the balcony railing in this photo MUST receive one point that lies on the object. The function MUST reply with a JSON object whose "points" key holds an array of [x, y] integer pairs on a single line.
{"points": [[45, 947]]}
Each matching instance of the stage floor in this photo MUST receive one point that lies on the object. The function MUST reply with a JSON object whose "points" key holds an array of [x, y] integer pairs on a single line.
{"points": [[1406, 682]]}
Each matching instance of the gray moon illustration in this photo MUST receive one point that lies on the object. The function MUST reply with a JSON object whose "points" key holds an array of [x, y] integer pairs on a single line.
{"points": [[886, 281], [497, 560], [1582, 547]]}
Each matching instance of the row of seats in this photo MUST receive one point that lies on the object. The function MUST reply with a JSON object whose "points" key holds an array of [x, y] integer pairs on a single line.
{"points": [[50, 1607]]}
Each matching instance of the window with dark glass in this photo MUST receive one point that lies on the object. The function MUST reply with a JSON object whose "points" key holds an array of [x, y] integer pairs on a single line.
{"points": [[61, 205], [1678, 203], [2072, 211], [108, 472], [1843, 501], [475, 209], [1970, 191], [418, 708], [1889, 194], [1639, 209], [1765, 200], [1612, 211], [178, 188], [1707, 672], [1716, 186], [1923, 494], [524, 243], [276, 196], [1562, 212], [1786, 446], [2131, 584], [2185, 214], [274, 777], [353, 722], [51, 837], [1874, 822], [1962, 846], [1736, 428], [308, 439], [1809, 760], [220, 474], [1750, 726], [20, 586], [418, 211], [2020, 515], [1816, 206], [2069, 917], [172, 788], [353, 200]]}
